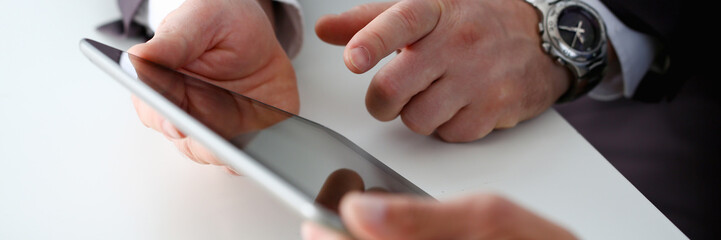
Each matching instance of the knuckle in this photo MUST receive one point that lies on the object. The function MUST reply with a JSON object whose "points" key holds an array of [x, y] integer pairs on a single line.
{"points": [[405, 16], [384, 87], [184, 147], [200, 152], [450, 6], [483, 131], [454, 135], [500, 97], [459, 134], [507, 122], [506, 103], [189, 149], [378, 39], [468, 34], [415, 122], [465, 128]]}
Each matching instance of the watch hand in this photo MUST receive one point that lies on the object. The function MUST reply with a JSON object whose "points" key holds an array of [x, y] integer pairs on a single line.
{"points": [[578, 32], [580, 37], [572, 29]]}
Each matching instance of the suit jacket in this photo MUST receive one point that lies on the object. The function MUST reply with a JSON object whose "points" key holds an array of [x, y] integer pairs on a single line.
{"points": [[669, 149], [682, 29]]}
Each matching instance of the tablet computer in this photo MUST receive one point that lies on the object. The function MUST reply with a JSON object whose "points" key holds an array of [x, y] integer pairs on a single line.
{"points": [[304, 164]]}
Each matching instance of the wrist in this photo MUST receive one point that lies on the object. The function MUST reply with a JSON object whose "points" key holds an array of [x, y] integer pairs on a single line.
{"points": [[574, 35], [559, 78]]}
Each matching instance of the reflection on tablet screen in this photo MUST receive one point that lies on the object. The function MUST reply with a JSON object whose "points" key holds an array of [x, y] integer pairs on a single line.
{"points": [[321, 163]]}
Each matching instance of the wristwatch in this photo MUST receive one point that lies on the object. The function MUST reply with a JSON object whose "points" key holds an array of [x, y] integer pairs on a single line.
{"points": [[574, 34]]}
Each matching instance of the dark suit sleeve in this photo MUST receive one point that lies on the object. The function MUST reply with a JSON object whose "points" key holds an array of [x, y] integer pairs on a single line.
{"points": [[672, 22], [655, 17]]}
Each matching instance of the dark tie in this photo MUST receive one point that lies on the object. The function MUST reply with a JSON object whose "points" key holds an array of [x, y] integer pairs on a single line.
{"points": [[125, 27]]}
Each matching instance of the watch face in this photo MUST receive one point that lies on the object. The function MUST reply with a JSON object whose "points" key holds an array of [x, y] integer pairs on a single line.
{"points": [[579, 28]]}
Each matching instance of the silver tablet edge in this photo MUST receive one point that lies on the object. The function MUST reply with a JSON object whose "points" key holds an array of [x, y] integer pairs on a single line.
{"points": [[226, 152]]}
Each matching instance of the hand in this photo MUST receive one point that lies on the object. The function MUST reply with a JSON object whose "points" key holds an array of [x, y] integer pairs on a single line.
{"points": [[229, 43], [232, 116], [465, 67], [387, 216]]}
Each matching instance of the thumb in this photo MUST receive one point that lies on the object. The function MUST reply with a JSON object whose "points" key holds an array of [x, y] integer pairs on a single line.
{"points": [[339, 29], [180, 38], [375, 216]]}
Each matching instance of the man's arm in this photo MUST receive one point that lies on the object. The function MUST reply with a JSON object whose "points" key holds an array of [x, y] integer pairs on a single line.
{"points": [[630, 57]]}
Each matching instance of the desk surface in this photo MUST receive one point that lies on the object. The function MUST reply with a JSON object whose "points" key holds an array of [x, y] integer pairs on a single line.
{"points": [[77, 164]]}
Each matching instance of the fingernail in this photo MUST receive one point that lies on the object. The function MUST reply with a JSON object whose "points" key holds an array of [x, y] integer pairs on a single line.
{"points": [[170, 131], [360, 58], [231, 171], [371, 209]]}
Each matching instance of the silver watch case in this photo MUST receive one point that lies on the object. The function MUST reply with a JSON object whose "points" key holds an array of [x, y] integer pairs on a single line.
{"points": [[587, 66]]}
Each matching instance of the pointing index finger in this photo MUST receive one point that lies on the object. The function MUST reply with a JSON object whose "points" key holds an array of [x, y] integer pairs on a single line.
{"points": [[399, 26]]}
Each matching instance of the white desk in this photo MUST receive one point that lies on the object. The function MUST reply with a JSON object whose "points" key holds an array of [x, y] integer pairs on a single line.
{"points": [[75, 163]]}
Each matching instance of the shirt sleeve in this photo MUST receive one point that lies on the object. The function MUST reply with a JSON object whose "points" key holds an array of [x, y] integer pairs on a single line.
{"points": [[288, 20], [635, 51]]}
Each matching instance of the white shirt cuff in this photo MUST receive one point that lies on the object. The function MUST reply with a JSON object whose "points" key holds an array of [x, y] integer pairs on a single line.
{"points": [[289, 26], [635, 52]]}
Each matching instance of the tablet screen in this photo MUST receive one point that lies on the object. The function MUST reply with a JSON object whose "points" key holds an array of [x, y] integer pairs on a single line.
{"points": [[319, 162]]}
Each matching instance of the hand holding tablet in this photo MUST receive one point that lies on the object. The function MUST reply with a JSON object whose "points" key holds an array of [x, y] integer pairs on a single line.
{"points": [[237, 51], [290, 156]]}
